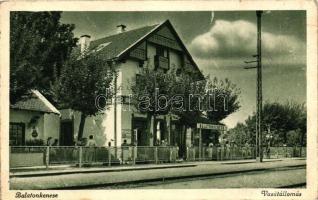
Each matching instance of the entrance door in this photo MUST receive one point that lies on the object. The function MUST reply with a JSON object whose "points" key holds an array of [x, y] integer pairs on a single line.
{"points": [[180, 139], [141, 126], [66, 133]]}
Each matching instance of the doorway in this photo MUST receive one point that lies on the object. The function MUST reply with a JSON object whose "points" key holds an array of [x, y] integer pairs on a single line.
{"points": [[67, 133], [140, 135]]}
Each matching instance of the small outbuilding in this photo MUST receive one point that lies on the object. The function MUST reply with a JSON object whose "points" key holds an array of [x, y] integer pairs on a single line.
{"points": [[33, 120]]}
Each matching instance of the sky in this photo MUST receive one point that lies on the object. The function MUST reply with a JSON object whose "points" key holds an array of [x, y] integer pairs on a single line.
{"points": [[220, 42]]}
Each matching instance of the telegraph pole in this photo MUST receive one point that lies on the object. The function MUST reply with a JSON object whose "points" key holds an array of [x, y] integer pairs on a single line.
{"points": [[259, 157], [259, 98]]}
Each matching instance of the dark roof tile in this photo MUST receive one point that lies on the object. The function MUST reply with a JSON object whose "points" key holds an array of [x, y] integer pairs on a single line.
{"points": [[116, 44], [36, 102]]}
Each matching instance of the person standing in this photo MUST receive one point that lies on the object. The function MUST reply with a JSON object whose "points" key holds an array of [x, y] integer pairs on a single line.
{"points": [[91, 144], [49, 141]]}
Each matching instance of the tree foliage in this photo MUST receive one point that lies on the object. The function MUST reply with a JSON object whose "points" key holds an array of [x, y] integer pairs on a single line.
{"points": [[152, 90], [224, 99], [39, 44], [240, 135], [281, 123], [184, 96], [148, 86], [82, 79], [194, 101]]}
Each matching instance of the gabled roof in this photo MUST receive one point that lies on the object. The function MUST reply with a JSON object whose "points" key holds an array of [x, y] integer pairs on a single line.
{"points": [[36, 102], [115, 45], [118, 45]]}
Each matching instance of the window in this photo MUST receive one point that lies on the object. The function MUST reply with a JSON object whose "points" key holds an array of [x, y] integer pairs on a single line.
{"points": [[17, 134], [161, 59], [161, 51], [141, 63]]}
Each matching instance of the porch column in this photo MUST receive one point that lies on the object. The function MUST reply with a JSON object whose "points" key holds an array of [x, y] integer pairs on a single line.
{"points": [[168, 126], [152, 131]]}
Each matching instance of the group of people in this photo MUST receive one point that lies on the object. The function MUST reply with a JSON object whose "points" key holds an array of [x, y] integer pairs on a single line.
{"points": [[90, 142], [84, 142], [162, 143]]}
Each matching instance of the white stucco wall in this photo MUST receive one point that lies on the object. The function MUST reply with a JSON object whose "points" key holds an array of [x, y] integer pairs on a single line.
{"points": [[47, 125], [151, 52], [22, 116], [126, 76], [103, 126], [94, 125], [127, 73], [175, 59], [51, 126]]}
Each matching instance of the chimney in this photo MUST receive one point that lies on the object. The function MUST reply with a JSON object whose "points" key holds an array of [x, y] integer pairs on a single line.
{"points": [[84, 42], [121, 28]]}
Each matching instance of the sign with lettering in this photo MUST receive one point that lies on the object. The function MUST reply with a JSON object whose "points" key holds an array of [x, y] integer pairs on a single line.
{"points": [[211, 126]]}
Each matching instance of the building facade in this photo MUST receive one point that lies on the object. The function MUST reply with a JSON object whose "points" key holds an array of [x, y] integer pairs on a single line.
{"points": [[157, 46], [33, 121]]}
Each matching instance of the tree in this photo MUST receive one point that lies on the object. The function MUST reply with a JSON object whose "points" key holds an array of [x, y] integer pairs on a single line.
{"points": [[193, 93], [82, 80], [148, 88], [223, 99], [182, 94], [285, 123], [240, 135], [282, 118], [294, 138], [39, 45]]}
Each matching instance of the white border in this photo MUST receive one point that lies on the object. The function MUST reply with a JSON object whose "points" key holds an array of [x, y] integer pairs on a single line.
{"points": [[309, 193]]}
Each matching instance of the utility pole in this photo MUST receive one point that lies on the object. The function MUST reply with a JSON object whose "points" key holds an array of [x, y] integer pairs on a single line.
{"points": [[259, 86], [259, 98]]}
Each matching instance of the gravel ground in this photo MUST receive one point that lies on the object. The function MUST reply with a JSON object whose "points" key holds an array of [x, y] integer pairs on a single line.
{"points": [[257, 179], [93, 180]]}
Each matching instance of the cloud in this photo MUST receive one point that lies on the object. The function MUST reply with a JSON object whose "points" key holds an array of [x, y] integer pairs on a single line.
{"points": [[236, 39]]}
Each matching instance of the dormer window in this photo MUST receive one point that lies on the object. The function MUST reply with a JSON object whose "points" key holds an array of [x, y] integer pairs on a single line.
{"points": [[162, 58], [101, 46], [161, 51]]}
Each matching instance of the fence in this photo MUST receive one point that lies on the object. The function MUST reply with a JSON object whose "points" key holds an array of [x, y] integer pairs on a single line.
{"points": [[219, 153], [284, 152], [238, 153], [22, 156]]}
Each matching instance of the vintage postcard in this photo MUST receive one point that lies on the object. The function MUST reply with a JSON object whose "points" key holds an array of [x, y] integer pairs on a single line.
{"points": [[159, 100]]}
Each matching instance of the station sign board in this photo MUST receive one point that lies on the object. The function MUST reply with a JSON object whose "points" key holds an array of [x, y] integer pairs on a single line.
{"points": [[211, 126]]}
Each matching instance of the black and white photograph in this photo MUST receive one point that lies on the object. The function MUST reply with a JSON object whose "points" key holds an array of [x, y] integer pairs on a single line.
{"points": [[146, 100]]}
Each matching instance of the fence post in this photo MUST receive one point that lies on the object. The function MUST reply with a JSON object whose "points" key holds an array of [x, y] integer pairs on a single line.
{"points": [[222, 153], [80, 157], [47, 157], [109, 156], [134, 154], [217, 153], [187, 154], [170, 154], [193, 154], [301, 152], [156, 154]]}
